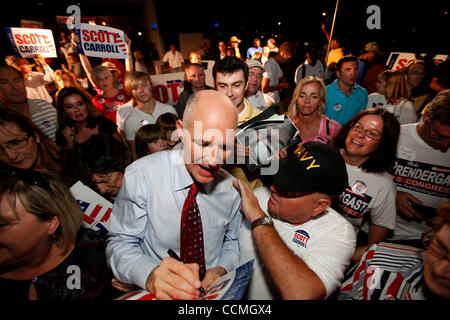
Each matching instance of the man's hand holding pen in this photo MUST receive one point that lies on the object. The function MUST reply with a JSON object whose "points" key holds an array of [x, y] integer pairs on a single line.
{"points": [[173, 279]]}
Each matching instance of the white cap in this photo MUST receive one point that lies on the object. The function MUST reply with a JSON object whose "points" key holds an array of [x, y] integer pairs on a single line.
{"points": [[254, 63]]}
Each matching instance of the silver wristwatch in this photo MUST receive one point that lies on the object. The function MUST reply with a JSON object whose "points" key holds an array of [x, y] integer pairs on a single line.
{"points": [[263, 221]]}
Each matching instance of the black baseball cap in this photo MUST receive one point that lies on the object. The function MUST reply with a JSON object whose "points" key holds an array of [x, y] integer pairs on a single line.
{"points": [[313, 167]]}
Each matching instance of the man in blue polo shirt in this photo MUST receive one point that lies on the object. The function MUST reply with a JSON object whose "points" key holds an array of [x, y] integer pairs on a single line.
{"points": [[345, 97]]}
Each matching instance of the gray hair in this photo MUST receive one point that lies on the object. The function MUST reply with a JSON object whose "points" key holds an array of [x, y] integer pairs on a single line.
{"points": [[99, 70], [439, 108]]}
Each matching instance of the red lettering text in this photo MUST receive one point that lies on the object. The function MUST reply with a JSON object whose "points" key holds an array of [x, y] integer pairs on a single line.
{"points": [[173, 87], [86, 35], [18, 39], [161, 94]]}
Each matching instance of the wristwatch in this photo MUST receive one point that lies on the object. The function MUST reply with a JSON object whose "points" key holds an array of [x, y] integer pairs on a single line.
{"points": [[263, 221]]}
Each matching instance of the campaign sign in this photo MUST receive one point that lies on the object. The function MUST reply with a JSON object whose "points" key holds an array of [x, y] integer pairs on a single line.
{"points": [[230, 286], [168, 86], [27, 42], [96, 209], [101, 42], [397, 60]]}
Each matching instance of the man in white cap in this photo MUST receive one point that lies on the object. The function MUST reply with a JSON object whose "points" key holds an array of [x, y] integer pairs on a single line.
{"points": [[253, 93]]}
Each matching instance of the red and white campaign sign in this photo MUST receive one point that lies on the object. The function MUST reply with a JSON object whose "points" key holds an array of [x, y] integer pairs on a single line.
{"points": [[397, 60], [27, 42], [96, 209], [101, 41], [168, 86]]}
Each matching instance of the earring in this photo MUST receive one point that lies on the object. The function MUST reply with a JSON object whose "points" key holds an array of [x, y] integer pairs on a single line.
{"points": [[53, 237]]}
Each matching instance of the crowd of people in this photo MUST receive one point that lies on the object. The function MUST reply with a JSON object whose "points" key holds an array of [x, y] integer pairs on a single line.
{"points": [[358, 208]]}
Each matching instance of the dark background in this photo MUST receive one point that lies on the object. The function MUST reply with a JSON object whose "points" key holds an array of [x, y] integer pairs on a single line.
{"points": [[421, 27]]}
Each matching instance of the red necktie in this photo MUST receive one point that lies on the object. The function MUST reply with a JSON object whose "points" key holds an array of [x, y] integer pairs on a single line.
{"points": [[191, 235]]}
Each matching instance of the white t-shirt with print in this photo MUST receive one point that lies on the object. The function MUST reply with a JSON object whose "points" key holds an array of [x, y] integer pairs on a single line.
{"points": [[326, 244], [423, 172], [138, 118], [368, 193]]}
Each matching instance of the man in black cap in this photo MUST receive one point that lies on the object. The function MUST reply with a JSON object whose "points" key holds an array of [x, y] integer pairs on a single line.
{"points": [[300, 244]]}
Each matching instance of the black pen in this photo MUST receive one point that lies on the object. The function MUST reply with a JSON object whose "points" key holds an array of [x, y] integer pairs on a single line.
{"points": [[173, 255]]}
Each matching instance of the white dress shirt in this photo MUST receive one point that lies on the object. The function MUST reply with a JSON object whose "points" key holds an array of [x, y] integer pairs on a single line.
{"points": [[145, 220]]}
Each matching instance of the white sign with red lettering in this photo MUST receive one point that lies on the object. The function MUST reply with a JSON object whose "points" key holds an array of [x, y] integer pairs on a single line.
{"points": [[397, 60], [27, 42], [101, 41], [168, 86]]}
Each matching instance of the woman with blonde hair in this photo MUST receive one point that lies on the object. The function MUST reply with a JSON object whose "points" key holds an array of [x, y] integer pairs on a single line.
{"points": [[392, 94], [45, 252], [306, 111]]}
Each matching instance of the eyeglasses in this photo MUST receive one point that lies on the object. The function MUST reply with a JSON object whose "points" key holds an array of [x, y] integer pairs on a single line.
{"points": [[372, 134], [257, 75], [15, 144], [30, 177]]}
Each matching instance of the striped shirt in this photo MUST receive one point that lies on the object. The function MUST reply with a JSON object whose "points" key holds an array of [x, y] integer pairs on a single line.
{"points": [[44, 115], [386, 271]]}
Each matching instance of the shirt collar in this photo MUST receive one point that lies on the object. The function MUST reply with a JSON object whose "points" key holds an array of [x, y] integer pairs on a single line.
{"points": [[181, 177], [336, 87]]}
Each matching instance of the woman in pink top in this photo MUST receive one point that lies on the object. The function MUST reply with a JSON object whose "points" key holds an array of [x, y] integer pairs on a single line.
{"points": [[306, 111]]}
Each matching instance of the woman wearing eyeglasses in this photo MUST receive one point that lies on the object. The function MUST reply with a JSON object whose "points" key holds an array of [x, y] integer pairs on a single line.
{"points": [[368, 143], [45, 253], [23, 145]]}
